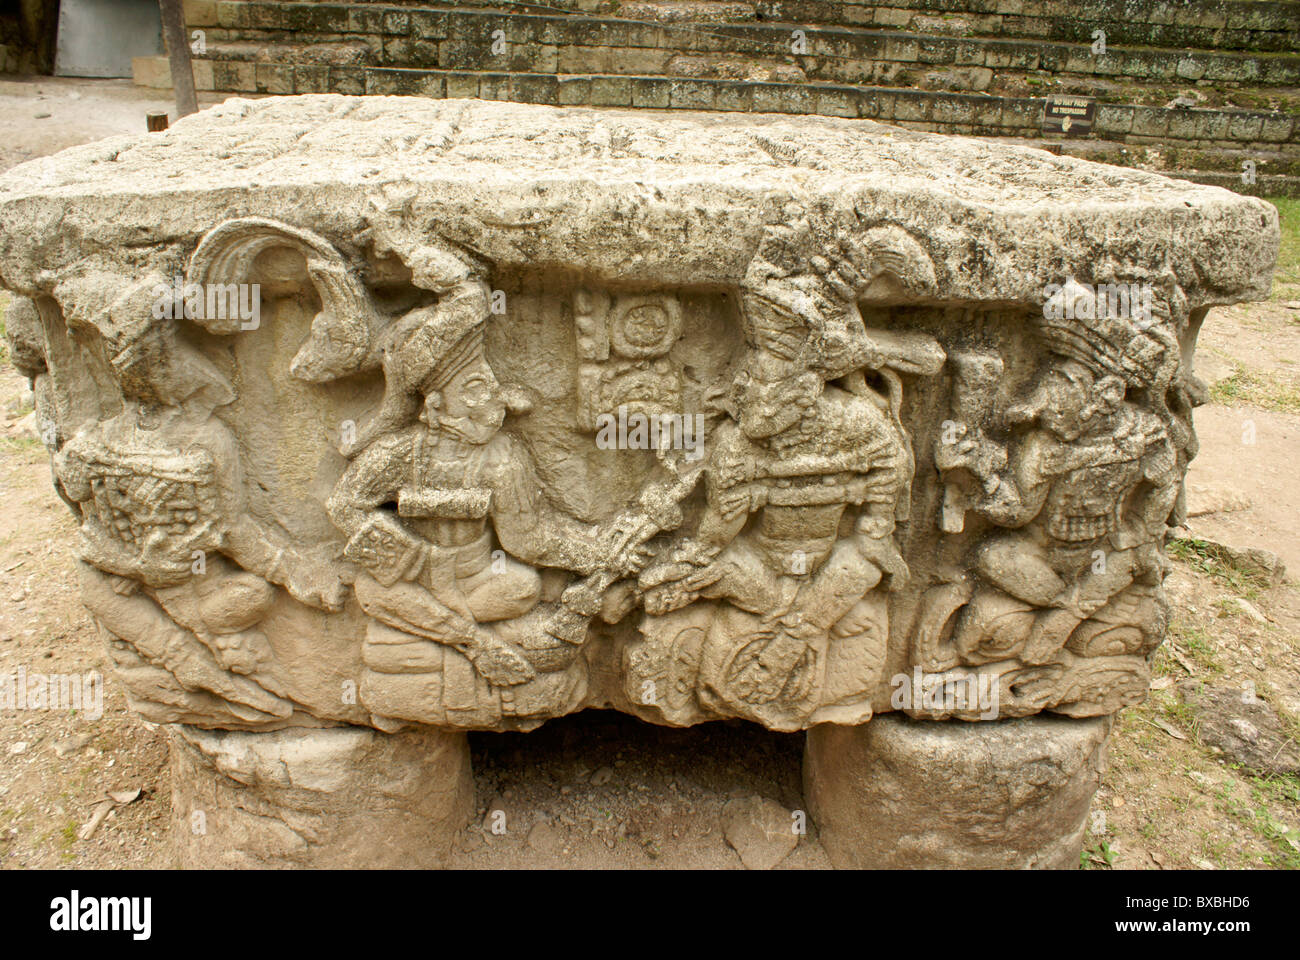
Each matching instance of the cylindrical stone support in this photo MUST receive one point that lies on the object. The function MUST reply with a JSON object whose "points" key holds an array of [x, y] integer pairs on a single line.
{"points": [[332, 797], [900, 793]]}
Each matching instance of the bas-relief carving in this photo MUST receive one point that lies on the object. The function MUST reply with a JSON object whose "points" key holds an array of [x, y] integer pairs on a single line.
{"points": [[761, 578], [624, 343], [1060, 602], [805, 484], [175, 571]]}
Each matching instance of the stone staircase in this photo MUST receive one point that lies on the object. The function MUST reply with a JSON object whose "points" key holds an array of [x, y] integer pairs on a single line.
{"points": [[1193, 88]]}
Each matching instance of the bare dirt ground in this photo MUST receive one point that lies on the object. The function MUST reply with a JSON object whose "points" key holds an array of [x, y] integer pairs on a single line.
{"points": [[42, 115], [1187, 786]]}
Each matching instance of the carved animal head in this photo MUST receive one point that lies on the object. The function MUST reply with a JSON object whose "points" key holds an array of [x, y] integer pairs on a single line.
{"points": [[329, 352]]}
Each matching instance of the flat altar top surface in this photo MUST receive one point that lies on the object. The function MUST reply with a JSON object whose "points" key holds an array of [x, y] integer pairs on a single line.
{"points": [[545, 184]]}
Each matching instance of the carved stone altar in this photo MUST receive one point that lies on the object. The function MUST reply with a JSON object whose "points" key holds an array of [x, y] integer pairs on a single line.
{"points": [[387, 419]]}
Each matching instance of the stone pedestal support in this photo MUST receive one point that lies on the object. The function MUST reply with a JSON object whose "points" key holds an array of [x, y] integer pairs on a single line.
{"points": [[334, 797], [901, 793]]}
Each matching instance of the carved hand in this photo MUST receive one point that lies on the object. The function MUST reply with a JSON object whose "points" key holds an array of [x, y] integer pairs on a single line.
{"points": [[666, 598], [498, 662], [317, 585], [629, 553], [960, 452], [734, 502]]}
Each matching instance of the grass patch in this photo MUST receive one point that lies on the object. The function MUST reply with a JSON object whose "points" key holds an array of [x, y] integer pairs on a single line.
{"points": [[1097, 855], [22, 445], [1163, 665], [1256, 813], [1257, 390], [1198, 644], [1288, 256], [1207, 558], [1182, 715]]}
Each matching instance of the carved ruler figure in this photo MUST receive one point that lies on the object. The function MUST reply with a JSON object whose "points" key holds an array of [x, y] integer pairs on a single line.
{"points": [[1082, 497], [804, 489], [160, 493], [448, 520]]}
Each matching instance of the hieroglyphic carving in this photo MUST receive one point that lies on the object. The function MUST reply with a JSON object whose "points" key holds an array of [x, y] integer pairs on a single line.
{"points": [[623, 343]]}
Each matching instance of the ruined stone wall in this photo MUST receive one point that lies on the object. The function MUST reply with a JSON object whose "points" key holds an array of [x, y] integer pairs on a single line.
{"points": [[1196, 88]]}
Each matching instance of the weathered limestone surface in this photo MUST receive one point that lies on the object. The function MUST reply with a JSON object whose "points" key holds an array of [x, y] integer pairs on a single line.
{"points": [[338, 797], [399, 414], [1009, 795]]}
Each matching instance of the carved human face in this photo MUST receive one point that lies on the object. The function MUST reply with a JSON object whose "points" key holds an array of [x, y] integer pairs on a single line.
{"points": [[1065, 407], [471, 405], [773, 395]]}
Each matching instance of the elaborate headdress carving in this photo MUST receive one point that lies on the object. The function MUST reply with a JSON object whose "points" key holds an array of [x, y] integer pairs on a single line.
{"points": [[1128, 339], [801, 291], [341, 333]]}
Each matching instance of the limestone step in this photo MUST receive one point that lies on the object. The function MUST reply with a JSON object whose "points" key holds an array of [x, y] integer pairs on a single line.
{"points": [[527, 57], [1267, 185], [1258, 173], [1276, 166], [463, 38], [1180, 24], [1258, 25], [918, 109], [1172, 156]]}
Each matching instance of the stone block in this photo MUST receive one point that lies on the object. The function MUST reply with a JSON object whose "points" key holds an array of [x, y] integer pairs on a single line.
{"points": [[611, 92], [320, 609], [1014, 795], [332, 798]]}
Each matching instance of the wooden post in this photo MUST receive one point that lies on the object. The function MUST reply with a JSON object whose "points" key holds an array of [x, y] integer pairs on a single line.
{"points": [[178, 52]]}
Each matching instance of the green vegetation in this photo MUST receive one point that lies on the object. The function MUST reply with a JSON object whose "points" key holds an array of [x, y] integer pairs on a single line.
{"points": [[1287, 277], [1210, 559], [31, 447], [1198, 644], [1256, 812], [1257, 389], [1099, 854]]}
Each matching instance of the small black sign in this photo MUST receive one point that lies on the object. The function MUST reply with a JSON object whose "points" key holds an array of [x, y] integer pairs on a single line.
{"points": [[1069, 116]]}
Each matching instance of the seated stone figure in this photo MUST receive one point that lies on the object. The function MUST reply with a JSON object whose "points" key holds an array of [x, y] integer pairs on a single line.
{"points": [[1084, 502], [803, 490], [437, 513]]}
